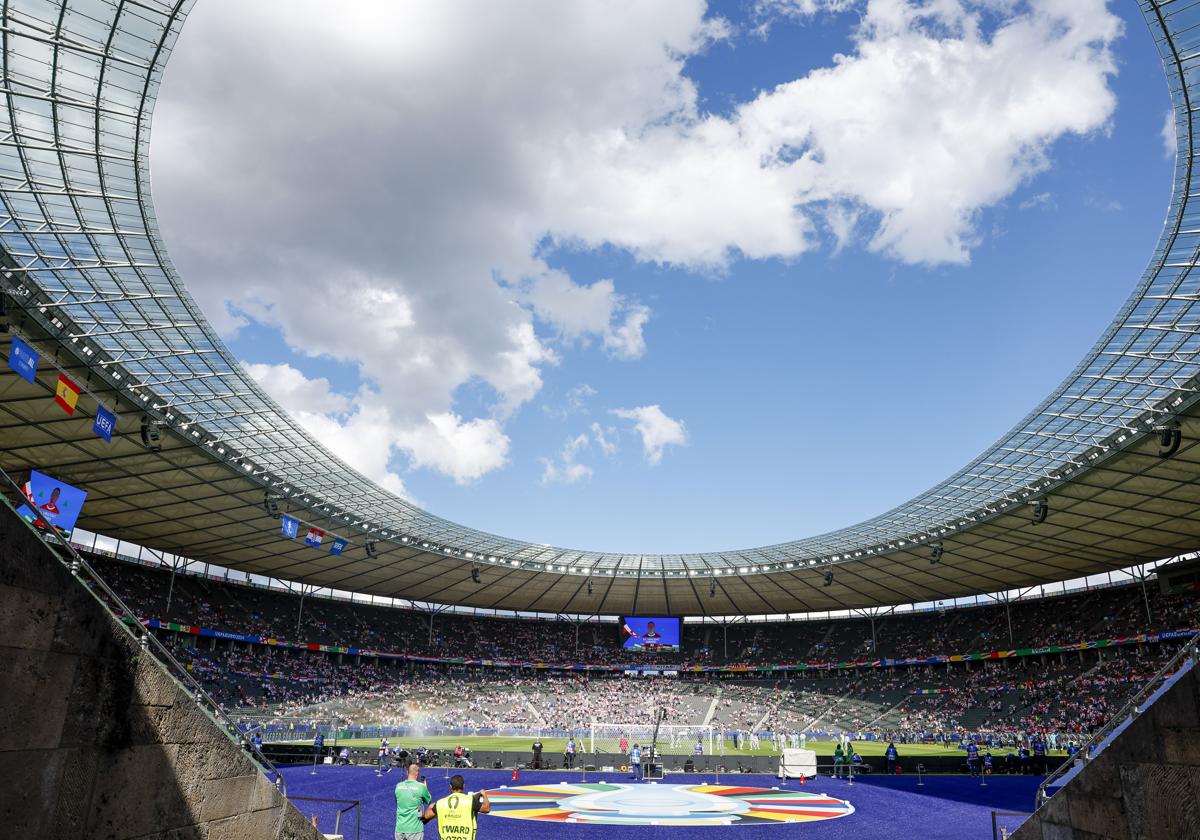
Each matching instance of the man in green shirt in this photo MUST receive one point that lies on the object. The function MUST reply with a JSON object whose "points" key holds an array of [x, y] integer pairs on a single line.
{"points": [[412, 797]]}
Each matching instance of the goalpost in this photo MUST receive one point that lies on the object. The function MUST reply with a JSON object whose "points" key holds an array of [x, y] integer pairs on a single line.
{"points": [[672, 739]]}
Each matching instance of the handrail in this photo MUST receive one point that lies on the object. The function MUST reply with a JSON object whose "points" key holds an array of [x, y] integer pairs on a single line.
{"points": [[351, 804], [1127, 713], [1000, 832], [146, 639]]}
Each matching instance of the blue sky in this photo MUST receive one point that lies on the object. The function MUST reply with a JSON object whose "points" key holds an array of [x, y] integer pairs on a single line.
{"points": [[813, 388]]}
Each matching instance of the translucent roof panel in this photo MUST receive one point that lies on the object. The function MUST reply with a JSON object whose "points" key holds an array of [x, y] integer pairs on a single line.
{"points": [[80, 243]]}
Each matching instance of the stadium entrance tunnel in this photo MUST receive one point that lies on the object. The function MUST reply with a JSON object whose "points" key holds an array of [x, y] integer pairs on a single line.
{"points": [[100, 742]]}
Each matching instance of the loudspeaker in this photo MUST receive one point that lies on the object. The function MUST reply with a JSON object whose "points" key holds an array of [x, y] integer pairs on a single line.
{"points": [[151, 435]]}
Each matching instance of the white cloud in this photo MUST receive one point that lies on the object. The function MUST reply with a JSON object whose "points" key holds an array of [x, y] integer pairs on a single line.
{"points": [[296, 392], [579, 312], [930, 121], [565, 470], [1169, 138], [1042, 199], [357, 437], [463, 450], [795, 9], [658, 431], [626, 341], [574, 403], [605, 437], [404, 231]]}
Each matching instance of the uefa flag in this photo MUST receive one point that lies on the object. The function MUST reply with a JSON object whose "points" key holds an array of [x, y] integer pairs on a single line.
{"points": [[314, 537], [66, 394], [289, 527], [339, 545], [23, 359], [105, 423]]}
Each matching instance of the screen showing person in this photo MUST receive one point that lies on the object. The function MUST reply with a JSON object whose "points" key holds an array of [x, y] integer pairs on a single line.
{"points": [[51, 504], [650, 633]]}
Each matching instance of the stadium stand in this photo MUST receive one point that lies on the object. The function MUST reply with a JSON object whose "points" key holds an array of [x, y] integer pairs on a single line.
{"points": [[1064, 694]]}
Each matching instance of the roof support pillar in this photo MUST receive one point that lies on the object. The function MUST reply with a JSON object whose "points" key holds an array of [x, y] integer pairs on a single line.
{"points": [[305, 589], [176, 562], [1141, 575]]}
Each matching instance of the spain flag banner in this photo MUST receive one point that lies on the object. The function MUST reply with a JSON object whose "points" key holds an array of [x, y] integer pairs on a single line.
{"points": [[66, 394]]}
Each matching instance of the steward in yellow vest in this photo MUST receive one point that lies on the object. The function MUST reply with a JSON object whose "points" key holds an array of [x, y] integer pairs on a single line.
{"points": [[456, 813]]}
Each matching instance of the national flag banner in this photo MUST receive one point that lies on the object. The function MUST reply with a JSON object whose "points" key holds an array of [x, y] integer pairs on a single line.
{"points": [[66, 394], [23, 359], [105, 423], [289, 527], [315, 535], [339, 545]]}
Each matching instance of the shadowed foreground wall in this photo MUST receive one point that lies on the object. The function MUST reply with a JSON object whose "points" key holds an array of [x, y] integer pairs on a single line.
{"points": [[96, 740], [1144, 786]]}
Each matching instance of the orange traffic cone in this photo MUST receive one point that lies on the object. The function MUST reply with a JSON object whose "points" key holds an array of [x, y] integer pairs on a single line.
{"points": [[801, 780], [515, 774]]}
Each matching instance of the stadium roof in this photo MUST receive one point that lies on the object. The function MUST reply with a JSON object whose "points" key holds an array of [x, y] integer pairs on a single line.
{"points": [[88, 283]]}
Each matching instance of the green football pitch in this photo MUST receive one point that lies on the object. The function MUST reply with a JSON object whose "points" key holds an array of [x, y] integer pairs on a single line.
{"points": [[558, 745]]}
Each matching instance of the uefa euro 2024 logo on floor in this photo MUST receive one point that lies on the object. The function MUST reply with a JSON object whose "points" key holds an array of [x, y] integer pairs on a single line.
{"points": [[627, 804]]}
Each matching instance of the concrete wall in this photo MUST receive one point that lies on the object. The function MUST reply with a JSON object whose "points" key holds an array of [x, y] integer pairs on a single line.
{"points": [[1144, 786], [97, 741]]}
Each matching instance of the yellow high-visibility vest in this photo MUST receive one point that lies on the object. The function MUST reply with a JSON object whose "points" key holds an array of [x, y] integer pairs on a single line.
{"points": [[456, 819]]}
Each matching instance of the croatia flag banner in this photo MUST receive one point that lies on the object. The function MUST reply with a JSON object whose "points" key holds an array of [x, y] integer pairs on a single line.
{"points": [[66, 394], [315, 535], [339, 545], [289, 527]]}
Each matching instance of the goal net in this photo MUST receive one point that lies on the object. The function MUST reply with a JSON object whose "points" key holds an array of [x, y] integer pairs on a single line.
{"points": [[672, 739]]}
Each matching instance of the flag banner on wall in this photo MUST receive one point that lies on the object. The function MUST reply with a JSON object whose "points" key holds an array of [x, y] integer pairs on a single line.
{"points": [[66, 394], [23, 359], [339, 545], [105, 423], [289, 527], [314, 537], [52, 504]]}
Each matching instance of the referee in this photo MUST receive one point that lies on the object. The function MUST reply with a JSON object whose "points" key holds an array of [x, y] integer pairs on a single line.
{"points": [[457, 813]]}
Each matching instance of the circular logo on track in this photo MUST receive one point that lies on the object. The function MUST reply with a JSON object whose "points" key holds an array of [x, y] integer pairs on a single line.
{"points": [[628, 804]]}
